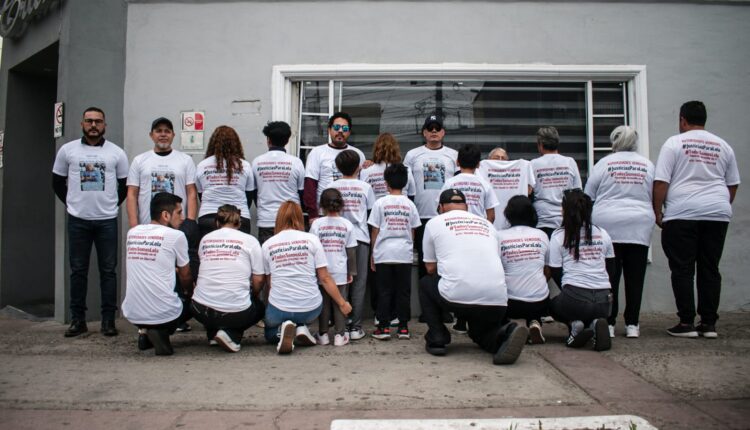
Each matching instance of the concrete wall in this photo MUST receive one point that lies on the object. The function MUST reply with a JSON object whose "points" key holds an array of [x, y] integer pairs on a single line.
{"points": [[195, 55]]}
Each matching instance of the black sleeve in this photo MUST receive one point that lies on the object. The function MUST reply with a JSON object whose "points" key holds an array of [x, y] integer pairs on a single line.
{"points": [[200, 196], [60, 185], [122, 190], [252, 197], [557, 273], [301, 195]]}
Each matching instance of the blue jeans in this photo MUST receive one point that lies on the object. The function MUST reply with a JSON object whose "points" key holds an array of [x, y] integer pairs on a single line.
{"points": [[275, 316], [81, 235]]}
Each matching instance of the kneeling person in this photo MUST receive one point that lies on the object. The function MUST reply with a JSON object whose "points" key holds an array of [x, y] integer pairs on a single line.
{"points": [[231, 272], [464, 250], [152, 253]]}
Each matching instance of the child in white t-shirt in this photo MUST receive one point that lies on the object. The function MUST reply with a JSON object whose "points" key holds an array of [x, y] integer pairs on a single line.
{"points": [[358, 200], [393, 220], [480, 197], [336, 234]]}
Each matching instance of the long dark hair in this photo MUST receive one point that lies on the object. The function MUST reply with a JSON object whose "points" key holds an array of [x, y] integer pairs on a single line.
{"points": [[576, 208]]}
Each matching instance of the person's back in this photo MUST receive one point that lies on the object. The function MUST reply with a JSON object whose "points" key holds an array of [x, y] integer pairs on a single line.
{"points": [[698, 166], [217, 189], [508, 178], [523, 251], [553, 174], [278, 177], [479, 194], [291, 258], [373, 175], [589, 270], [336, 234]]}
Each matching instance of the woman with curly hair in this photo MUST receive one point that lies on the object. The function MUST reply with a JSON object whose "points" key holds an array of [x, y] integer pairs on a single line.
{"points": [[385, 152], [224, 177]]}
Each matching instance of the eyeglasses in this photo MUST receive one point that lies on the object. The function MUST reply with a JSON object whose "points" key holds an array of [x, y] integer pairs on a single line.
{"points": [[94, 121], [434, 128], [337, 127]]}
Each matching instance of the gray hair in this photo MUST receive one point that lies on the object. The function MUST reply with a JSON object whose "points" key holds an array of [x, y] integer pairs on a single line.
{"points": [[498, 150], [548, 137], [624, 138]]}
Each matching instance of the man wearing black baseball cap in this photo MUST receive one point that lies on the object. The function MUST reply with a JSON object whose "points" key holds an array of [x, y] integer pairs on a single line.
{"points": [[463, 249], [431, 164]]}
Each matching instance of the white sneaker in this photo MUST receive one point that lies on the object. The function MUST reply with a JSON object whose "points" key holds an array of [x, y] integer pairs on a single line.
{"points": [[611, 331], [304, 337], [322, 339], [357, 334], [632, 331], [375, 322], [226, 342], [535, 333], [213, 342], [394, 322], [286, 341], [341, 339]]}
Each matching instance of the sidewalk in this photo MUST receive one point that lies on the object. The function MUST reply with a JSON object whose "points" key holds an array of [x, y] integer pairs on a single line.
{"points": [[48, 381]]}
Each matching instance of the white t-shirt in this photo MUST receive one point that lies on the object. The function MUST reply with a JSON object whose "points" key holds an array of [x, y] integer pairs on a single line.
{"points": [[373, 175], [152, 252], [279, 177], [216, 191], [358, 199], [155, 174], [335, 234], [553, 173], [92, 173], [394, 217], [228, 258], [466, 249], [698, 167], [431, 168], [590, 271], [508, 179], [321, 165], [524, 252], [478, 193], [291, 258], [621, 185]]}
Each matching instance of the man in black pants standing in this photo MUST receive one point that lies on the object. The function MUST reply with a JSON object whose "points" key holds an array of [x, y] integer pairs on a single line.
{"points": [[462, 257], [695, 183]]}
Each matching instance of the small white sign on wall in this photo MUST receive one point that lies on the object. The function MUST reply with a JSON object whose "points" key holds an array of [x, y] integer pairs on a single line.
{"points": [[191, 137], [192, 140], [192, 121], [58, 121]]}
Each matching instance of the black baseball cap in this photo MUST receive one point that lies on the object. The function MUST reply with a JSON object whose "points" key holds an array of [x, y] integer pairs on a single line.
{"points": [[162, 121], [432, 119], [452, 195]]}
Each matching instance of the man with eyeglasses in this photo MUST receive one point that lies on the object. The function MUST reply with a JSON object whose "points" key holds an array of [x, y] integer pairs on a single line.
{"points": [[320, 167], [89, 178], [432, 164]]}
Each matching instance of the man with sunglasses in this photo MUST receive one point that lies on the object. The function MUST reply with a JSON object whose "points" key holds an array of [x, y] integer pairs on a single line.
{"points": [[432, 164], [89, 178], [320, 167]]}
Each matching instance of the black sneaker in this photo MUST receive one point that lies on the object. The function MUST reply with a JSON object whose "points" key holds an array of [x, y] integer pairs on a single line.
{"points": [[683, 330], [437, 350], [706, 330], [510, 349], [581, 338], [160, 339], [143, 342], [108, 328], [602, 341], [403, 333], [77, 327], [184, 327]]}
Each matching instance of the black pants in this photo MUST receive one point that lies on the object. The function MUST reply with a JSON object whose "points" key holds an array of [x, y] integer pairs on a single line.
{"points": [[233, 323], [207, 224], [630, 261], [264, 233], [393, 280], [529, 311], [418, 238], [584, 304], [487, 324], [691, 244], [170, 326]]}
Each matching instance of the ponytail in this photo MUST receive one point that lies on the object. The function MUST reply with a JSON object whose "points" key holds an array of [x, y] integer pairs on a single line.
{"points": [[577, 208]]}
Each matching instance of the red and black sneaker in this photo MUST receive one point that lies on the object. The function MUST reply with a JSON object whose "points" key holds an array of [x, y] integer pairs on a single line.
{"points": [[382, 333], [403, 333]]}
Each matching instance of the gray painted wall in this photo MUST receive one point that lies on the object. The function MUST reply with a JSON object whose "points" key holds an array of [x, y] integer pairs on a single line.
{"points": [[91, 71], [190, 55]]}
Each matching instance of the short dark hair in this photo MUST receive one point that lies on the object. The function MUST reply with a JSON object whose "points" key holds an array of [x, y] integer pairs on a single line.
{"points": [[331, 200], [694, 113], [347, 161], [163, 202], [278, 132], [94, 109], [520, 211], [469, 156], [343, 115], [396, 175]]}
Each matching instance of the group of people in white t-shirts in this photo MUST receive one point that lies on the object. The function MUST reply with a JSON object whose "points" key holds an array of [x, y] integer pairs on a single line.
{"points": [[529, 221]]}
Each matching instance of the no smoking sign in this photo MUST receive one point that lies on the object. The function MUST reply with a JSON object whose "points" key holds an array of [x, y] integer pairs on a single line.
{"points": [[58, 120], [192, 121]]}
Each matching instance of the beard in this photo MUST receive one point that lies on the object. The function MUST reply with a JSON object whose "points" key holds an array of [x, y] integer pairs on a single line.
{"points": [[92, 132], [163, 146]]}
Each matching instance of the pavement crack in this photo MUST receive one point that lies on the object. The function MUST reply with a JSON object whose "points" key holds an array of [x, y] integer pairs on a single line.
{"points": [[277, 418]]}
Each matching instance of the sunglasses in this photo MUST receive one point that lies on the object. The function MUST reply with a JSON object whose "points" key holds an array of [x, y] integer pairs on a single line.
{"points": [[337, 127], [434, 128]]}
